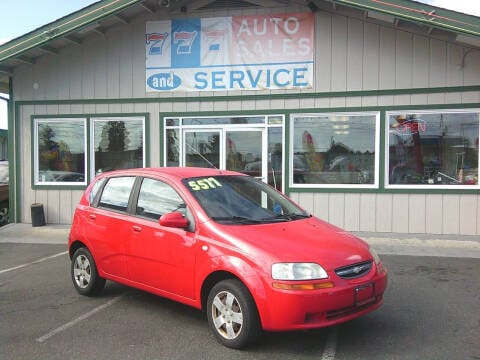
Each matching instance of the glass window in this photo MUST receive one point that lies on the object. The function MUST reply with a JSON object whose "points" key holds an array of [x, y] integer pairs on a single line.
{"points": [[275, 157], [224, 120], [96, 187], [157, 198], [242, 200], [202, 149], [60, 155], [116, 193], [433, 148], [118, 143], [173, 147], [335, 150]]}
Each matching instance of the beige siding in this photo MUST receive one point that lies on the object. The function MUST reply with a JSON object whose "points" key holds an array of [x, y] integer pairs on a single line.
{"points": [[400, 213], [351, 54]]}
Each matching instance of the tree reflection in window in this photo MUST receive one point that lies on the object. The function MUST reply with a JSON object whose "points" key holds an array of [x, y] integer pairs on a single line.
{"points": [[61, 151], [118, 144]]}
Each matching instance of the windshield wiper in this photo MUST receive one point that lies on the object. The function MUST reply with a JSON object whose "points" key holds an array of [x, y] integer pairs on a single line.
{"points": [[289, 216], [237, 219]]}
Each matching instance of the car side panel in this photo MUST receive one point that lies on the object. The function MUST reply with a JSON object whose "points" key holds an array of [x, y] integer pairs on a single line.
{"points": [[107, 235], [160, 257]]}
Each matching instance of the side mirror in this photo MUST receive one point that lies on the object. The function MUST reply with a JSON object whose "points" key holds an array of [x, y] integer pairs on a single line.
{"points": [[174, 220]]}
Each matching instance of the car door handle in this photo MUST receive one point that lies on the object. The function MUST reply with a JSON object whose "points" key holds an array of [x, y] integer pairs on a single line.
{"points": [[136, 228], [92, 217]]}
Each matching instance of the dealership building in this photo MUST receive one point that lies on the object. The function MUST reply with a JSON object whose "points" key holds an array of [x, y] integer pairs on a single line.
{"points": [[365, 112]]}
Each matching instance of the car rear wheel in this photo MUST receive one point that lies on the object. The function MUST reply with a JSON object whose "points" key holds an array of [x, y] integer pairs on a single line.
{"points": [[84, 273], [232, 314], [3, 214]]}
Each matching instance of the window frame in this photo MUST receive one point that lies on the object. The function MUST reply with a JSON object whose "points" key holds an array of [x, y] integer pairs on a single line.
{"points": [[104, 186], [36, 120], [386, 174], [112, 117], [377, 149]]}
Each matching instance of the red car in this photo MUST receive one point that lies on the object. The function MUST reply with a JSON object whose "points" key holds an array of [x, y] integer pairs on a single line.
{"points": [[223, 242]]}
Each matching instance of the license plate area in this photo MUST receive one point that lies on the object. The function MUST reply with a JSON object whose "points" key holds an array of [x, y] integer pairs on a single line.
{"points": [[364, 294]]}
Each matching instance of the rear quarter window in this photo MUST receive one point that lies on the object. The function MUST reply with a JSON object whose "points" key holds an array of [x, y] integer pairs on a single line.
{"points": [[94, 191], [116, 193]]}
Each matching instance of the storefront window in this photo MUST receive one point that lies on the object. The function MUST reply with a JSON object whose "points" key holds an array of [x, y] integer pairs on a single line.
{"points": [[60, 151], [433, 148], [173, 147], [335, 150], [275, 157], [224, 120], [118, 143]]}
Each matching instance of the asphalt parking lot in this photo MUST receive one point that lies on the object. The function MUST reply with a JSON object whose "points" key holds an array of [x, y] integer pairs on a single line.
{"points": [[431, 311]]}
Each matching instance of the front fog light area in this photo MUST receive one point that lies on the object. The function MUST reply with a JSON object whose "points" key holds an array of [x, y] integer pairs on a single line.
{"points": [[298, 271]]}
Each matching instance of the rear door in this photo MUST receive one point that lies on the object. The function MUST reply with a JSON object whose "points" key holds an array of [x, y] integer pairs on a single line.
{"points": [[108, 226]]}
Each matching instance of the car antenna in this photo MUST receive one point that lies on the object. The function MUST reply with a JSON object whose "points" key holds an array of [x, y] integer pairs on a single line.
{"points": [[203, 157]]}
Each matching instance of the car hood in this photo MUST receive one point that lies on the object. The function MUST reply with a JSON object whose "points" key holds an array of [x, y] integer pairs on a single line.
{"points": [[306, 240]]}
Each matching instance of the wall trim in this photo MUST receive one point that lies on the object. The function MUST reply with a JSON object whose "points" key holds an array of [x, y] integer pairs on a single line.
{"points": [[249, 97]]}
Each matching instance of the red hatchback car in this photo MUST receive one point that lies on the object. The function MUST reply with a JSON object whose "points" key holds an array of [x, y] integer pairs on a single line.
{"points": [[223, 242]]}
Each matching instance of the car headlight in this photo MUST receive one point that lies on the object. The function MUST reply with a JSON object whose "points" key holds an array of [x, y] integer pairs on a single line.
{"points": [[375, 256], [298, 271]]}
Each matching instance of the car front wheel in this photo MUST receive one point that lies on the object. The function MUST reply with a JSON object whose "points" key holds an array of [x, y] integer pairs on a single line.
{"points": [[84, 273], [232, 314]]}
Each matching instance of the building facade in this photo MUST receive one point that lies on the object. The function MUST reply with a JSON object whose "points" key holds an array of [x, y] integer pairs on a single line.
{"points": [[368, 119]]}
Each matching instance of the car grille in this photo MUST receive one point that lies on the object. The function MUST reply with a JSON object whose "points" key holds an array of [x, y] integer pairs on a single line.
{"points": [[354, 271]]}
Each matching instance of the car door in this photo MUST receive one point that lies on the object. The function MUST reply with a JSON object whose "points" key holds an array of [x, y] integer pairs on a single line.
{"points": [[160, 257], [107, 229]]}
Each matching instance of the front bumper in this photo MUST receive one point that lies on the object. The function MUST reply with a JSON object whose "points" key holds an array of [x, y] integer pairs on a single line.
{"points": [[309, 309]]}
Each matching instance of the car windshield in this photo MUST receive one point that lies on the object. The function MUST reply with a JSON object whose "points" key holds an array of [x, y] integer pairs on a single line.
{"points": [[242, 200], [3, 173]]}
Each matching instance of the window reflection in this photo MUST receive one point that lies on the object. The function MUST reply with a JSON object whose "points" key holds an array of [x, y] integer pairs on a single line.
{"points": [[157, 198], [334, 149], [173, 147], [61, 151], [118, 144], [433, 148], [202, 149], [116, 193]]}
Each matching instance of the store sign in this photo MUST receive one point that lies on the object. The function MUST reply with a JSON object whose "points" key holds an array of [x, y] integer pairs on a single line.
{"points": [[230, 53]]}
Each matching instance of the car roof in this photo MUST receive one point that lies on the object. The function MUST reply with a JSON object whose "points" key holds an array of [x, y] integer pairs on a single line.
{"points": [[171, 172]]}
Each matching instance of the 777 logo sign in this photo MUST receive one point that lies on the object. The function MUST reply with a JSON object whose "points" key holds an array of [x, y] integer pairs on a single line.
{"points": [[184, 41], [156, 41]]}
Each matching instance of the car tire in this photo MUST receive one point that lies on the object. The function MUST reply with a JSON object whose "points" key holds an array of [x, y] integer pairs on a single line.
{"points": [[3, 214], [232, 314], [84, 273]]}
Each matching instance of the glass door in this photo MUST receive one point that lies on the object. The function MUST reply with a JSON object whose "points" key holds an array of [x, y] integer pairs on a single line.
{"points": [[244, 152], [202, 148]]}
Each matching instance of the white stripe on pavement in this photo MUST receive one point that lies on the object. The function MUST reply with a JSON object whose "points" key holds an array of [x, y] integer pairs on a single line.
{"points": [[330, 345], [33, 262], [74, 322]]}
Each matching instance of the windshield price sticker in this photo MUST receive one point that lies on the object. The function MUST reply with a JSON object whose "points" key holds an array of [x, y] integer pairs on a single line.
{"points": [[204, 184]]}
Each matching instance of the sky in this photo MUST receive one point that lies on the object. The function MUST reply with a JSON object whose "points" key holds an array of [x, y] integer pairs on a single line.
{"points": [[22, 16]]}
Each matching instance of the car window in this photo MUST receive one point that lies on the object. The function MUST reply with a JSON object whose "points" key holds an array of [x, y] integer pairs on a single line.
{"points": [[97, 186], [157, 198], [116, 193], [3, 173], [242, 199]]}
